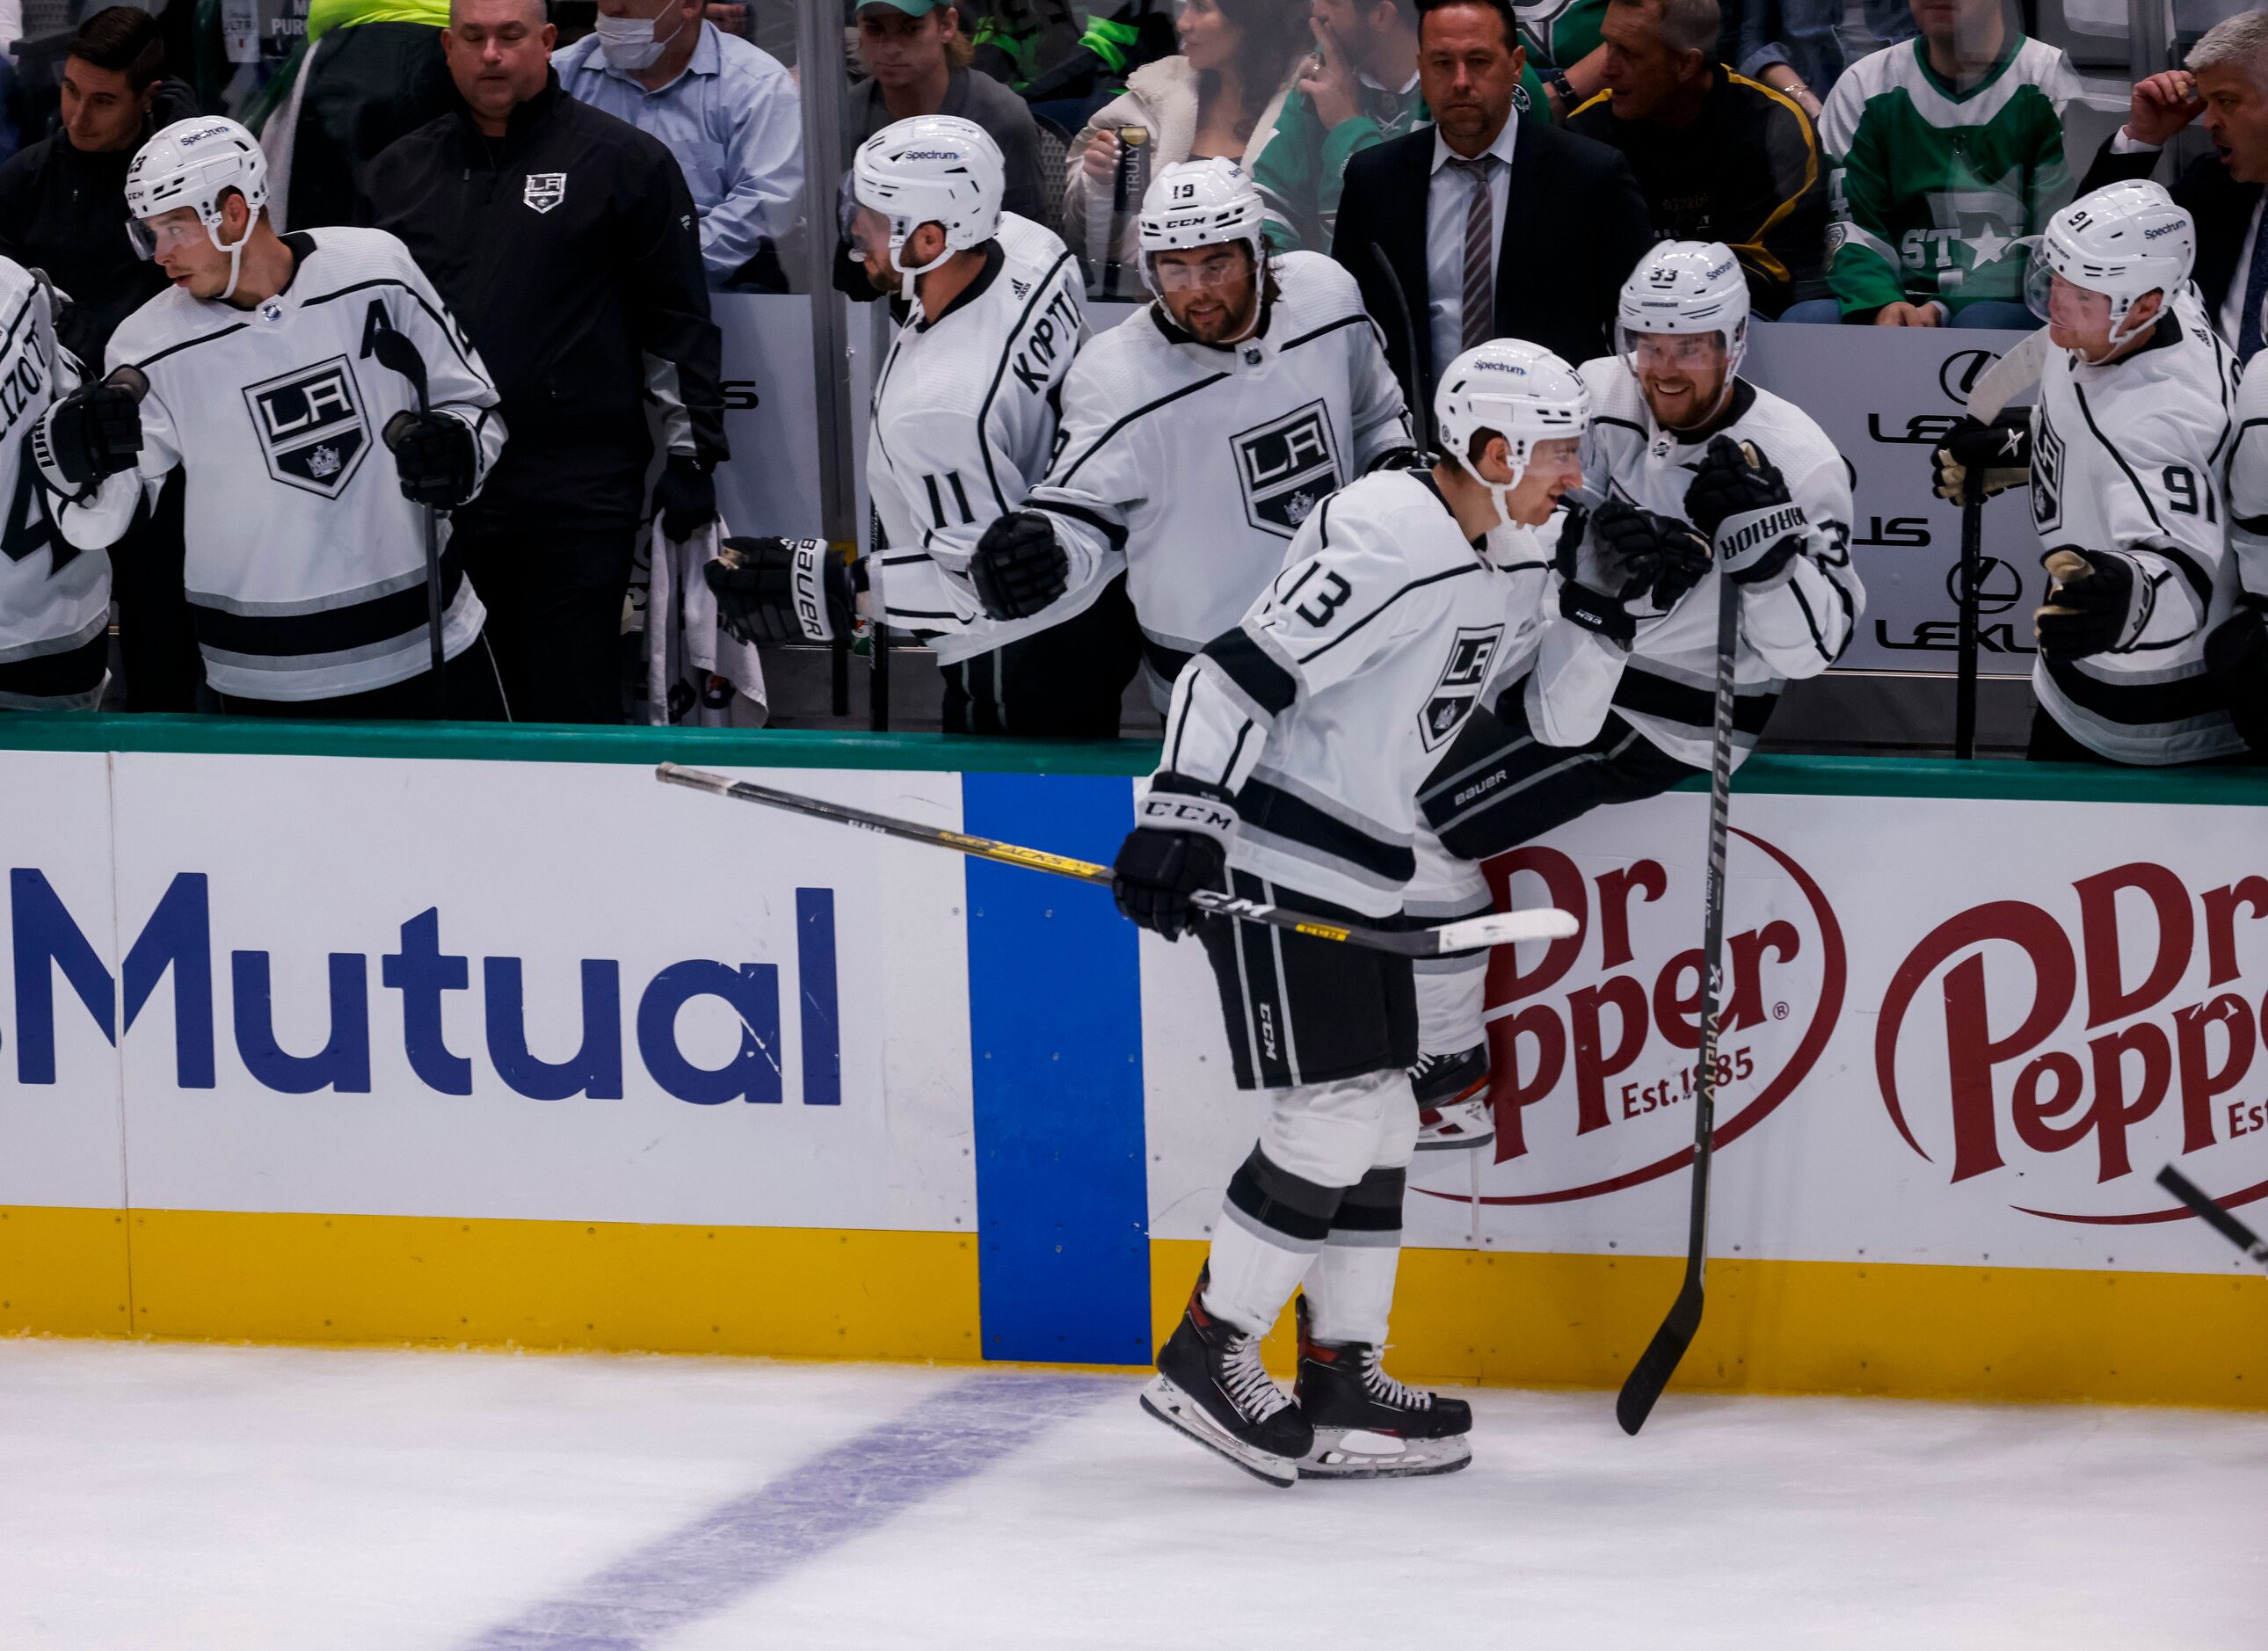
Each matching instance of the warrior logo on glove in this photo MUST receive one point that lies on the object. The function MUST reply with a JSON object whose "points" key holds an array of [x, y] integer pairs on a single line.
{"points": [[311, 430]]}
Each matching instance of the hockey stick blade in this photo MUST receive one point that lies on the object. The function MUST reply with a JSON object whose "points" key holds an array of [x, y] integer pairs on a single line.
{"points": [[2210, 1210], [2013, 376], [1649, 1375], [1467, 935]]}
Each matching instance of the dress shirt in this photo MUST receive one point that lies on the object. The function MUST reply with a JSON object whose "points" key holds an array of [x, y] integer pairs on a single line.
{"points": [[1447, 200], [733, 120]]}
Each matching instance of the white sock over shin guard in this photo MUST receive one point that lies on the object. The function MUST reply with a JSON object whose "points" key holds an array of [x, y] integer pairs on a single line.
{"points": [[1351, 1286]]}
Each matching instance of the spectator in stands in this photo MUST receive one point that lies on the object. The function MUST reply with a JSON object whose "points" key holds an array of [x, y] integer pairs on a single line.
{"points": [[374, 73], [918, 60], [2226, 82], [1487, 227], [1566, 44], [62, 210], [1219, 96], [1792, 46], [564, 242], [1115, 43], [1017, 41], [1944, 154], [728, 111], [1717, 156]]}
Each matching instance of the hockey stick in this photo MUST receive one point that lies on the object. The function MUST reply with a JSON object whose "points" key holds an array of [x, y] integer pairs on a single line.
{"points": [[398, 354], [1421, 421], [2014, 374], [1659, 1362], [2209, 1211], [1471, 934]]}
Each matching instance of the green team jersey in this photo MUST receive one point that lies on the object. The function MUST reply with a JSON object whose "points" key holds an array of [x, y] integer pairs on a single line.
{"points": [[1302, 167], [1561, 33], [1931, 188]]}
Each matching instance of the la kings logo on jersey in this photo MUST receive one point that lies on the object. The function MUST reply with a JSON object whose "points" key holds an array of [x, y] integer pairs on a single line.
{"points": [[1286, 468], [311, 425], [2047, 473], [1460, 686]]}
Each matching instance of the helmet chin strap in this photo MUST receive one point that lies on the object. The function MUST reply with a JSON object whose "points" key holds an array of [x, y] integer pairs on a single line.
{"points": [[908, 275], [1499, 492], [235, 251]]}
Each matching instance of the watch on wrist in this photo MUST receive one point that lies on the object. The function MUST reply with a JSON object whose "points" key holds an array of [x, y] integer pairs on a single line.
{"points": [[1556, 80]]}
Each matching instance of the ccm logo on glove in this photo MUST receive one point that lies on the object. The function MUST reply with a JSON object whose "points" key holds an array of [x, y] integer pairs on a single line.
{"points": [[1178, 811]]}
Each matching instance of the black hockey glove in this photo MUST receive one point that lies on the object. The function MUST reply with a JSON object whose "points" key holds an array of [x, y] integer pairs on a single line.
{"points": [[1399, 459], [435, 456], [784, 590], [1019, 568], [1997, 455], [1178, 844], [1739, 498], [94, 432], [2094, 603], [2236, 653], [684, 497], [1648, 562]]}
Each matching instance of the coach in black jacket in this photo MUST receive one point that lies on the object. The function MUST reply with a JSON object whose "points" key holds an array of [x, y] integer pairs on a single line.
{"points": [[1566, 222], [2226, 82], [566, 243]]}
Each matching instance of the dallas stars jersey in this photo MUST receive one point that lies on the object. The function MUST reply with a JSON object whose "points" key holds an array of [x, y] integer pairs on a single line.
{"points": [[1930, 187], [1562, 32], [964, 416], [1791, 626], [1201, 462], [55, 598], [306, 566], [2127, 457], [1324, 709]]}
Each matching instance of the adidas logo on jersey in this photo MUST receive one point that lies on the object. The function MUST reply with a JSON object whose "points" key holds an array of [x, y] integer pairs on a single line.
{"points": [[311, 426]]}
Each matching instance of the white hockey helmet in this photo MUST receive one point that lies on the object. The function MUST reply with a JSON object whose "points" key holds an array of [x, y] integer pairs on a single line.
{"points": [[1521, 391], [932, 169], [2124, 240], [1687, 286], [1200, 203], [194, 162]]}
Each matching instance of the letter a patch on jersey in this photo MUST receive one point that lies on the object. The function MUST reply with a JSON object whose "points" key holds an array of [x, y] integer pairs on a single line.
{"points": [[544, 190], [1287, 466], [311, 426], [1453, 695]]}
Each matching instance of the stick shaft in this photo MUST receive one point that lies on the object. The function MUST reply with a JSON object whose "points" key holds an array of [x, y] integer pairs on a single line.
{"points": [[2209, 1210], [1973, 564]]}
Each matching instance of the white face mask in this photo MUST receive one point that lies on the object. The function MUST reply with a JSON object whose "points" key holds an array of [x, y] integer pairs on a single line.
{"points": [[629, 42]]}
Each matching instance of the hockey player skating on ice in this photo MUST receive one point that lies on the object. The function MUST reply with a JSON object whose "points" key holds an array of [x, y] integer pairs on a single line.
{"points": [[1200, 434], [1292, 752], [2125, 454], [1695, 471], [992, 313], [54, 597], [308, 466]]}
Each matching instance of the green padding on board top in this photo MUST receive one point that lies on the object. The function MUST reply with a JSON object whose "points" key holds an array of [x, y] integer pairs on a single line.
{"points": [[800, 747]]}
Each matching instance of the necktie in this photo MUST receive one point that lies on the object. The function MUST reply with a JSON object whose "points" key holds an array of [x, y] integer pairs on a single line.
{"points": [[1480, 254], [2255, 288]]}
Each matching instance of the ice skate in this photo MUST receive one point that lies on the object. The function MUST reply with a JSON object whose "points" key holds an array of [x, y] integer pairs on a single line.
{"points": [[1453, 1109], [1368, 1426], [1211, 1386]]}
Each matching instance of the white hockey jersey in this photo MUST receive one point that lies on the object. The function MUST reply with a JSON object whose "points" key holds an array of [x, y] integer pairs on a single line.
{"points": [[964, 417], [306, 566], [1324, 709], [2129, 456], [1664, 684], [54, 597], [1200, 461]]}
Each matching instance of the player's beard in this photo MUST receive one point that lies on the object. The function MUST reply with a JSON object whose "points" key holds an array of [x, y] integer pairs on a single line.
{"points": [[1225, 320]]}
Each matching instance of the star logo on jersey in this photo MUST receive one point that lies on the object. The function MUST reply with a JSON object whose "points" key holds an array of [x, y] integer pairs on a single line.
{"points": [[311, 426], [1285, 468], [1460, 687], [544, 190]]}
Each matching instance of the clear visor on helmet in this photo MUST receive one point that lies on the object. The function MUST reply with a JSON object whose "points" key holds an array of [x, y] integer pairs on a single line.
{"points": [[1672, 352], [1211, 268], [2063, 303], [153, 237]]}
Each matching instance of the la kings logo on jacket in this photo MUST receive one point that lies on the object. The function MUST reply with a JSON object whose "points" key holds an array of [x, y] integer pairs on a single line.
{"points": [[1286, 468], [311, 425], [544, 190], [1460, 686]]}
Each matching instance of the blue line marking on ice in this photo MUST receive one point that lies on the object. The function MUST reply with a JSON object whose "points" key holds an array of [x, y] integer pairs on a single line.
{"points": [[1055, 1022], [815, 974], [714, 1561]]}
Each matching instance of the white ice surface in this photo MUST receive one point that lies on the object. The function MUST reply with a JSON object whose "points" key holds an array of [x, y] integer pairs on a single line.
{"points": [[158, 1497]]}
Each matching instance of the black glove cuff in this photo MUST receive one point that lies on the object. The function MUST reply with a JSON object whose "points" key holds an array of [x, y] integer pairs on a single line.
{"points": [[1594, 610]]}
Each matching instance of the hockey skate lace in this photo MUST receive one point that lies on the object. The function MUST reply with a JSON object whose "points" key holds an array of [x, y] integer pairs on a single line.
{"points": [[1386, 1389], [1249, 1385]]}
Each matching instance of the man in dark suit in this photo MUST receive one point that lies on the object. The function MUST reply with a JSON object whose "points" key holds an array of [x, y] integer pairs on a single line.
{"points": [[1494, 228], [2226, 82]]}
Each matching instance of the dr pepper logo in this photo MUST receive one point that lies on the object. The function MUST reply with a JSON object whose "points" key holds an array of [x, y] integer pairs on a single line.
{"points": [[1592, 1038], [2060, 1053]]}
